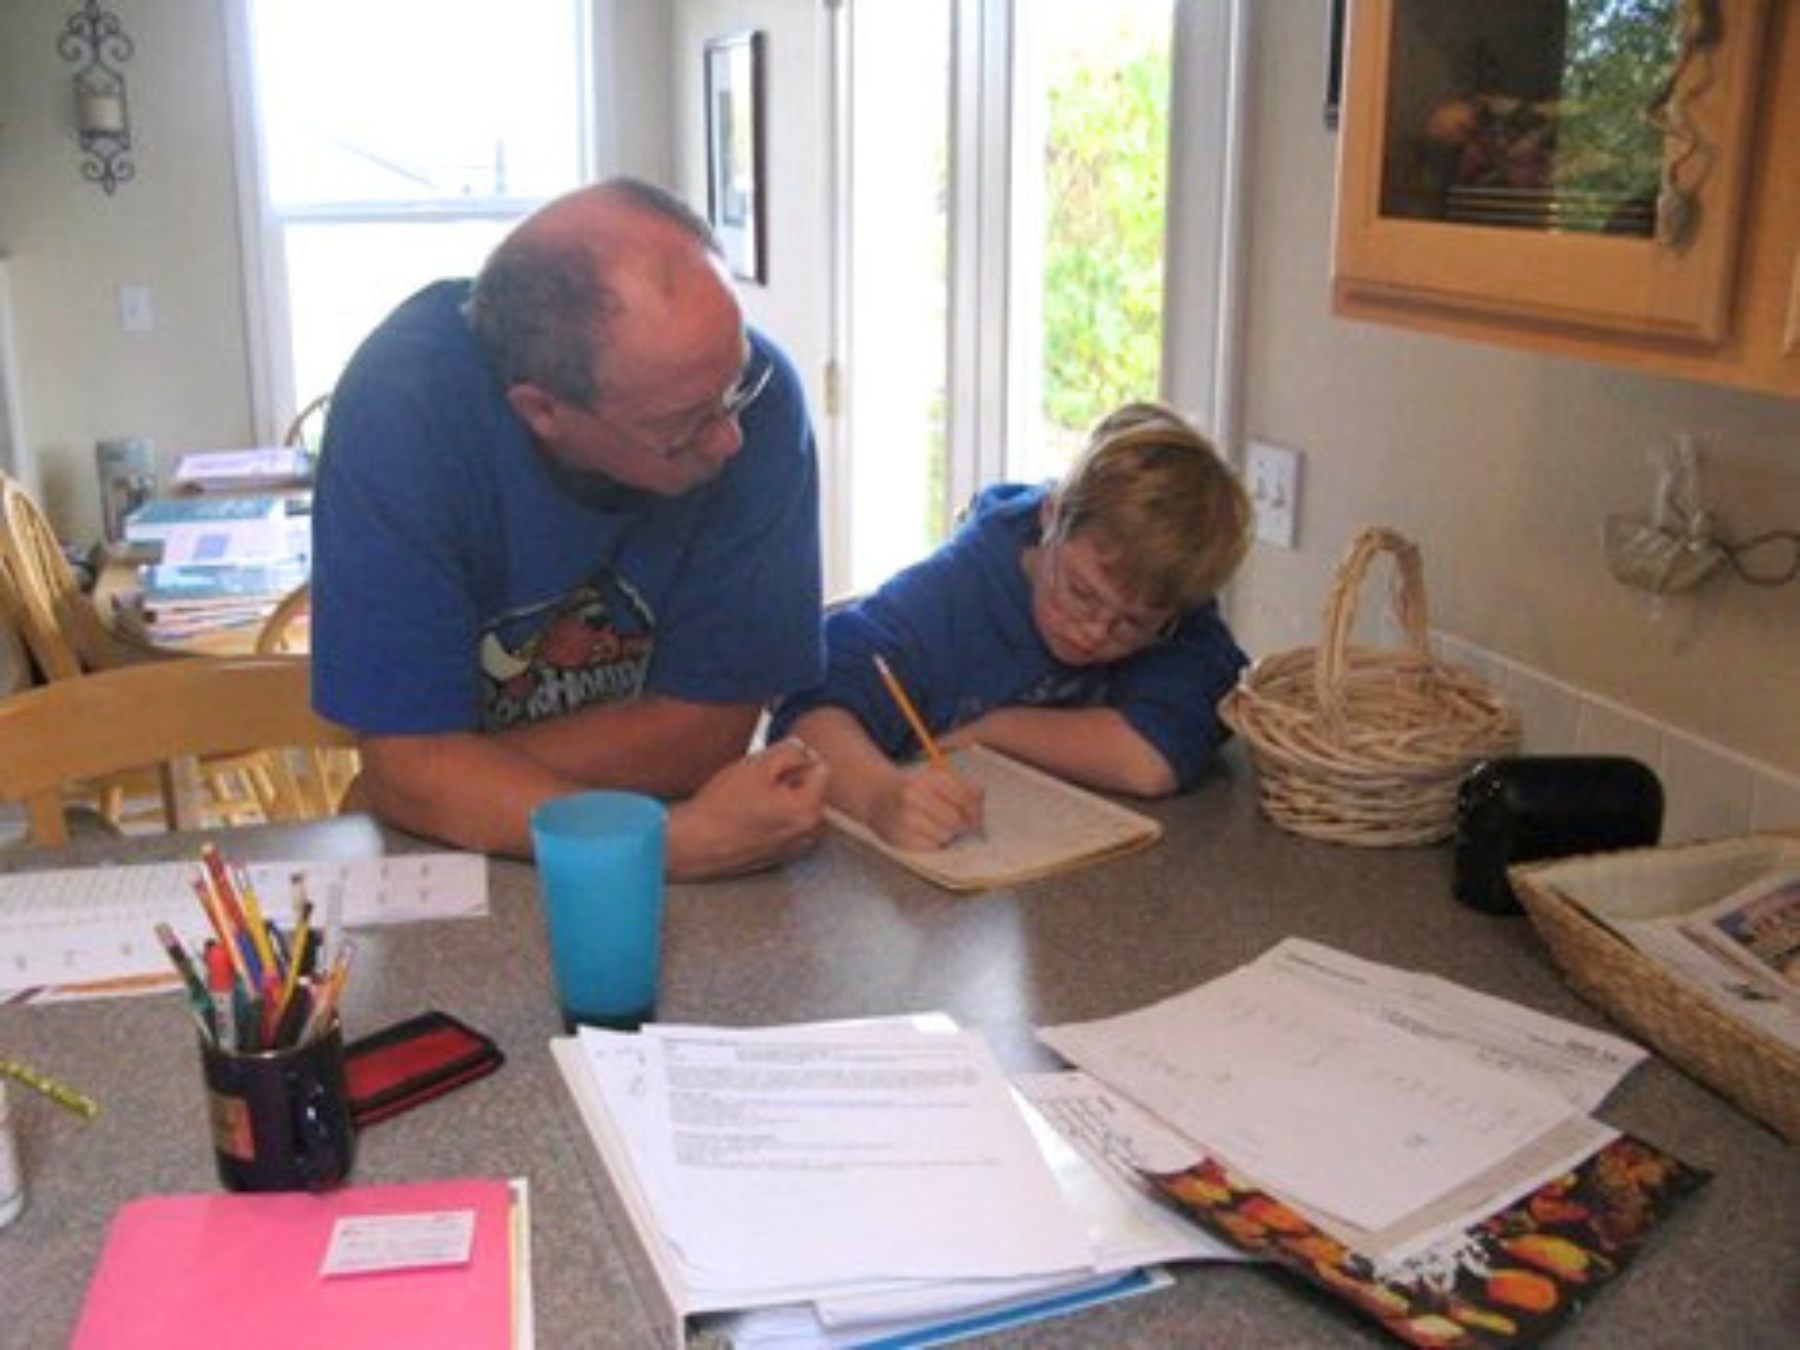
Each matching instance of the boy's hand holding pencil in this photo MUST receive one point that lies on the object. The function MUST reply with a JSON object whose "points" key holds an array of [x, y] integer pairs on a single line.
{"points": [[927, 808]]}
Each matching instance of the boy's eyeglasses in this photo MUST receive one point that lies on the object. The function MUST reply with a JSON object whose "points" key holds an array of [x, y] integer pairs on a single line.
{"points": [[745, 390], [1079, 603]]}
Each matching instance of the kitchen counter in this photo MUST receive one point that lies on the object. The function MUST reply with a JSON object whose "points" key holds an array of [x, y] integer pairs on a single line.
{"points": [[845, 934]]}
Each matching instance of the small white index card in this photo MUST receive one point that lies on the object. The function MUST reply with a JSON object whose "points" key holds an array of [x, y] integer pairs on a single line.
{"points": [[365, 1244]]}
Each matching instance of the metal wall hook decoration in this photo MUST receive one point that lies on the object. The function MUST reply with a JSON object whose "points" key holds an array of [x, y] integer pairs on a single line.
{"points": [[97, 45]]}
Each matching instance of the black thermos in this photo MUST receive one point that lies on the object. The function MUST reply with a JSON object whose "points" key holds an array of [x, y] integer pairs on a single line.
{"points": [[1523, 808]]}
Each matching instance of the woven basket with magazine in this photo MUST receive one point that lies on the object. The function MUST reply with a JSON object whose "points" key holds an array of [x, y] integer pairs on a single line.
{"points": [[1360, 745], [1586, 909]]}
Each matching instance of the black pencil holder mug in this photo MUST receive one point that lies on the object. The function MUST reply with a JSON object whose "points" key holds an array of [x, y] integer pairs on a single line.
{"points": [[281, 1118]]}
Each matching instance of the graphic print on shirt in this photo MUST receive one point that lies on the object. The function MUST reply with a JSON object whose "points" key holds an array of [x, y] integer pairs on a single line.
{"points": [[1064, 688], [590, 646]]}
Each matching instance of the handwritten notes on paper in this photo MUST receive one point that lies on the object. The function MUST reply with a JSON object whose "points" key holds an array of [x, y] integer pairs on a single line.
{"points": [[1036, 825], [1315, 1097], [1575, 1062]]}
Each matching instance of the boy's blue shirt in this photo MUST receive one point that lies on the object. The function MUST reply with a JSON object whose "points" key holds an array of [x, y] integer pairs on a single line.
{"points": [[958, 631], [461, 583]]}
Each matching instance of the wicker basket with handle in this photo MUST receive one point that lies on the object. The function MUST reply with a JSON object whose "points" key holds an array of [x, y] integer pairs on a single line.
{"points": [[1361, 745]]}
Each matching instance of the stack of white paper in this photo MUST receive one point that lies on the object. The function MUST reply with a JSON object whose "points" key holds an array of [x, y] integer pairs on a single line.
{"points": [[860, 1177], [1392, 1108]]}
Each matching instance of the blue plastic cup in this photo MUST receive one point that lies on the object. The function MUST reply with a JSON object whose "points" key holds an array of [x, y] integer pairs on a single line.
{"points": [[600, 872]]}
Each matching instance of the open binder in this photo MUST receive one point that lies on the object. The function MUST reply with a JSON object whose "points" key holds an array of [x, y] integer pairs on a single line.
{"points": [[921, 1311]]}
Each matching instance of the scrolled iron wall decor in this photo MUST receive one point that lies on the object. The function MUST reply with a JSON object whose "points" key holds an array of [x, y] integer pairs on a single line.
{"points": [[95, 42]]}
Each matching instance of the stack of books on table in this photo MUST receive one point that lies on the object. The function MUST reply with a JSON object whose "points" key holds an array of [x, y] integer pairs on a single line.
{"points": [[180, 601], [1422, 1151], [262, 527], [224, 562], [243, 470], [850, 1184]]}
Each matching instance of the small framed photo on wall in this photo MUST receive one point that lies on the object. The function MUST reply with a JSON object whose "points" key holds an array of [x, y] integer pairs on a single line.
{"points": [[735, 173]]}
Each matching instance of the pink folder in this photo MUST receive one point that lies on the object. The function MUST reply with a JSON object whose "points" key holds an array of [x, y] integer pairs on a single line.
{"points": [[242, 1271]]}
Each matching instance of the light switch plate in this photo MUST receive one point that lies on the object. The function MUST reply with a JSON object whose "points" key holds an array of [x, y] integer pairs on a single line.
{"points": [[137, 314], [1272, 476]]}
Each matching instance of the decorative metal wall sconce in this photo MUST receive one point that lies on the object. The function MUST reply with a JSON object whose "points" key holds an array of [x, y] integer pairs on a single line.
{"points": [[94, 41]]}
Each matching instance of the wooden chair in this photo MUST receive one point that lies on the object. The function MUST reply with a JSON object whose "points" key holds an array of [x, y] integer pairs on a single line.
{"points": [[282, 631], [61, 629], [307, 430], [285, 632], [154, 715], [67, 638]]}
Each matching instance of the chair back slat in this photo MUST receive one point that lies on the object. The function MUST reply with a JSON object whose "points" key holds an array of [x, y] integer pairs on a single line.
{"points": [[307, 430], [152, 714]]}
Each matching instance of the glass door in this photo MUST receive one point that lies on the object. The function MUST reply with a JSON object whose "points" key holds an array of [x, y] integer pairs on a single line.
{"points": [[1004, 218], [896, 384], [1090, 196]]}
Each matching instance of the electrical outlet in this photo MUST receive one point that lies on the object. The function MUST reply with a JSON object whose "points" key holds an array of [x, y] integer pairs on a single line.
{"points": [[1273, 480]]}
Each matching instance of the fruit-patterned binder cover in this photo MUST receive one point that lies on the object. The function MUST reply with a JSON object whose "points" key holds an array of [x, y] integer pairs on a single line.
{"points": [[1513, 1279]]}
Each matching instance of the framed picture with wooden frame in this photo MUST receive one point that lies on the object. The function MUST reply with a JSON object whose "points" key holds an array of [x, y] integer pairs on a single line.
{"points": [[735, 164]]}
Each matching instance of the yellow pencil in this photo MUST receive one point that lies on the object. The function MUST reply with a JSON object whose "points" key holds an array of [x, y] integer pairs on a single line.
{"points": [[911, 714], [296, 960], [60, 1093], [259, 926]]}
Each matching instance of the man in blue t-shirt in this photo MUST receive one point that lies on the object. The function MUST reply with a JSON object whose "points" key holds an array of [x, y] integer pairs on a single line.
{"points": [[566, 536]]}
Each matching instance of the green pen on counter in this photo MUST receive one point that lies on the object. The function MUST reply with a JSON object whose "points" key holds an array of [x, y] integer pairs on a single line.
{"points": [[199, 1001]]}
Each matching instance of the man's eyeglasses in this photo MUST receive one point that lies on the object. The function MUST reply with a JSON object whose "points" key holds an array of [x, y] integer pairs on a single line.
{"points": [[1082, 605], [745, 390]]}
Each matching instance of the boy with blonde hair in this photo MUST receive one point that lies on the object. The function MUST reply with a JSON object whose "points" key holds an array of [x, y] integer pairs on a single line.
{"points": [[1071, 625]]}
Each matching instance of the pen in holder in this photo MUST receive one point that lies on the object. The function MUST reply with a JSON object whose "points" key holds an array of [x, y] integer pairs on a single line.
{"points": [[271, 1041]]}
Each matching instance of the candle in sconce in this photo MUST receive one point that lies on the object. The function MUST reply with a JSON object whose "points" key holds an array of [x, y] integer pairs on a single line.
{"points": [[100, 113]]}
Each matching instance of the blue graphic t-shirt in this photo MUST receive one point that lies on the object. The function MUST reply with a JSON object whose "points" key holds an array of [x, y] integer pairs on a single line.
{"points": [[462, 581]]}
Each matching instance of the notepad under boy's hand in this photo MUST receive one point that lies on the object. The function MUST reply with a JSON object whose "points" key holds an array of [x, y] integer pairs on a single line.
{"points": [[1033, 825]]}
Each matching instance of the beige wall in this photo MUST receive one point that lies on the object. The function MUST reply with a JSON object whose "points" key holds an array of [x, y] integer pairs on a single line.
{"points": [[1502, 465], [172, 229], [793, 299]]}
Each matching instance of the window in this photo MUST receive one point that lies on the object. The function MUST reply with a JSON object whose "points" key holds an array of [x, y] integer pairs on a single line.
{"points": [[1090, 152], [898, 348], [394, 142], [1003, 234]]}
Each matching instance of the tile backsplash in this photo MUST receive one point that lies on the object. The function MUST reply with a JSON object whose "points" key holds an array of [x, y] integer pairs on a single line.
{"points": [[1708, 790]]}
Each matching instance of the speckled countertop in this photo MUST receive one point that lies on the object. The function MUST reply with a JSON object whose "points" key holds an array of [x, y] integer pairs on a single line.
{"points": [[845, 934]]}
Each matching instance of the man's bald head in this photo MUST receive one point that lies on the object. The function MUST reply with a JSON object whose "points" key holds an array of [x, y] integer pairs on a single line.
{"points": [[546, 303]]}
